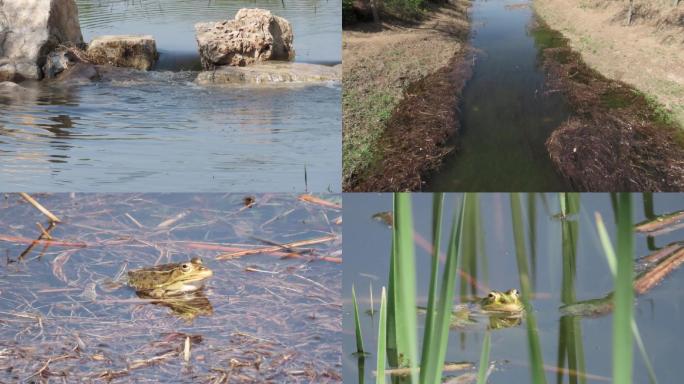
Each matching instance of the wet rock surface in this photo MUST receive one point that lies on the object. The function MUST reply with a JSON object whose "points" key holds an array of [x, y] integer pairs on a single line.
{"points": [[270, 74], [255, 35], [134, 51], [29, 30]]}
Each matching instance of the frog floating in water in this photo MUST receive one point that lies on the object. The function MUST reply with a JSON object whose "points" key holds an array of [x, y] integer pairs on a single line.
{"points": [[169, 279], [503, 309]]}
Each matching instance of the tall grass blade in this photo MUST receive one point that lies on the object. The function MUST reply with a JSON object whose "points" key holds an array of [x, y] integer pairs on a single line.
{"points": [[357, 324], [437, 205], [484, 360], [532, 235], [612, 265], [433, 362], [536, 362], [405, 284], [624, 293], [382, 329]]}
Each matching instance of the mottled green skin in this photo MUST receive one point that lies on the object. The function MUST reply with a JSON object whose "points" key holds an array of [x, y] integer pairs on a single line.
{"points": [[503, 309], [169, 279]]}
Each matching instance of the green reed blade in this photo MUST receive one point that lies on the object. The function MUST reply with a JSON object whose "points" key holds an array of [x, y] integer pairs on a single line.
{"points": [[405, 284], [484, 360], [437, 205], [612, 265], [536, 362], [382, 329], [432, 363], [357, 324], [624, 293]]}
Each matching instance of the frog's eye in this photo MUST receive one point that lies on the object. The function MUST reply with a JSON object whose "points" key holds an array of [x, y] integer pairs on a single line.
{"points": [[514, 292], [185, 267], [491, 295]]}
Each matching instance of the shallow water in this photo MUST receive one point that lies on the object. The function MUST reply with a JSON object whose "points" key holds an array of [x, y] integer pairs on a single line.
{"points": [[658, 313], [161, 132], [58, 305], [507, 112]]}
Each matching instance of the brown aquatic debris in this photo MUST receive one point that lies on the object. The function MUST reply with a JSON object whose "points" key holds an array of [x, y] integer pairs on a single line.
{"points": [[652, 277], [322, 202], [661, 224]]}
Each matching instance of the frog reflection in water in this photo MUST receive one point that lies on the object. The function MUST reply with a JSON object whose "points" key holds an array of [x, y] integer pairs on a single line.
{"points": [[176, 285], [503, 309]]}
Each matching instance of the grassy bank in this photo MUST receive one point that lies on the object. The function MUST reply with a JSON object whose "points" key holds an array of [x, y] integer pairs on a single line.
{"points": [[646, 54], [381, 63]]}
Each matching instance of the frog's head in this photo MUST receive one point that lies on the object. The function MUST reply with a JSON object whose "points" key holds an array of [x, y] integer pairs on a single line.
{"points": [[508, 301], [189, 271]]}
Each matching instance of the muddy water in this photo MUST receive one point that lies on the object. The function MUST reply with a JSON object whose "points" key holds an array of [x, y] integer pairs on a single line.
{"points": [[507, 112], [161, 132]]}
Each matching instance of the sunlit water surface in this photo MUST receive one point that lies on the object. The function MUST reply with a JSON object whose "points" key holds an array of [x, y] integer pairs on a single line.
{"points": [[161, 132], [658, 313], [271, 318]]}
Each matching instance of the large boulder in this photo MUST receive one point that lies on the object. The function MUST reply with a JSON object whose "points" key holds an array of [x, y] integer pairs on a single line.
{"points": [[255, 35], [131, 51], [29, 30], [270, 74]]}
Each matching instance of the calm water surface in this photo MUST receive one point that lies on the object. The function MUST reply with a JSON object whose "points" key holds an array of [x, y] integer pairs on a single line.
{"points": [[507, 112], [160, 132], [60, 308], [659, 312]]}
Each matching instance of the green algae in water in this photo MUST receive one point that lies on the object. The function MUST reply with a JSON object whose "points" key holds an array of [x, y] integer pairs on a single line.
{"points": [[546, 38]]}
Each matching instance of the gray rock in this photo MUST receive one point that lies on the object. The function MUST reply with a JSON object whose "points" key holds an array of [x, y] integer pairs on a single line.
{"points": [[79, 73], [58, 62], [130, 51], [270, 74], [255, 35], [30, 29]]}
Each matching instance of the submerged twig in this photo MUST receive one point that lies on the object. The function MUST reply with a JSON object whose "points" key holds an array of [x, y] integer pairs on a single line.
{"points": [[294, 244]]}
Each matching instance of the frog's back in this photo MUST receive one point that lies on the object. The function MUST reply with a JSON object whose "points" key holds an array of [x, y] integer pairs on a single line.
{"points": [[149, 278]]}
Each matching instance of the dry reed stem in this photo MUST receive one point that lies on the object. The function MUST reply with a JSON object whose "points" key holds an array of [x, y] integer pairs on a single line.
{"points": [[315, 200], [39, 207], [294, 244], [660, 225], [652, 277]]}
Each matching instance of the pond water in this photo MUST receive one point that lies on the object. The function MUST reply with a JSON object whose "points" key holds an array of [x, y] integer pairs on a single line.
{"points": [[260, 317], [506, 110], [658, 313], [161, 132]]}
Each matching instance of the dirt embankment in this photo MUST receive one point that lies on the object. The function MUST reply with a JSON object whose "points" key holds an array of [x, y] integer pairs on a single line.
{"points": [[401, 84], [648, 54], [618, 138]]}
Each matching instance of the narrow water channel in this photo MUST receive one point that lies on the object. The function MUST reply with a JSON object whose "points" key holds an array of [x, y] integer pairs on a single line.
{"points": [[507, 112]]}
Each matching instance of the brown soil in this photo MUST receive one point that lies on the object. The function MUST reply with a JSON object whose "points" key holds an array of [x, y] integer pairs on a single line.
{"points": [[648, 54], [618, 139], [401, 84]]}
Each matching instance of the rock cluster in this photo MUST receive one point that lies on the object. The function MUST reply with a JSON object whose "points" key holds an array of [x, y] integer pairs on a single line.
{"points": [[29, 30], [255, 35]]}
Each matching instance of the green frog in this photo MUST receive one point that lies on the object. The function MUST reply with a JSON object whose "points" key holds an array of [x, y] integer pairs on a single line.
{"points": [[169, 280], [502, 309]]}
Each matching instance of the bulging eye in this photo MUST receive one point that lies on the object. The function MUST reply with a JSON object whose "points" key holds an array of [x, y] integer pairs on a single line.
{"points": [[185, 267], [491, 295]]}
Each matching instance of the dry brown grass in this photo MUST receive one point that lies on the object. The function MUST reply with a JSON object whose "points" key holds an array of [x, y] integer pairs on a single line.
{"points": [[380, 63]]}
